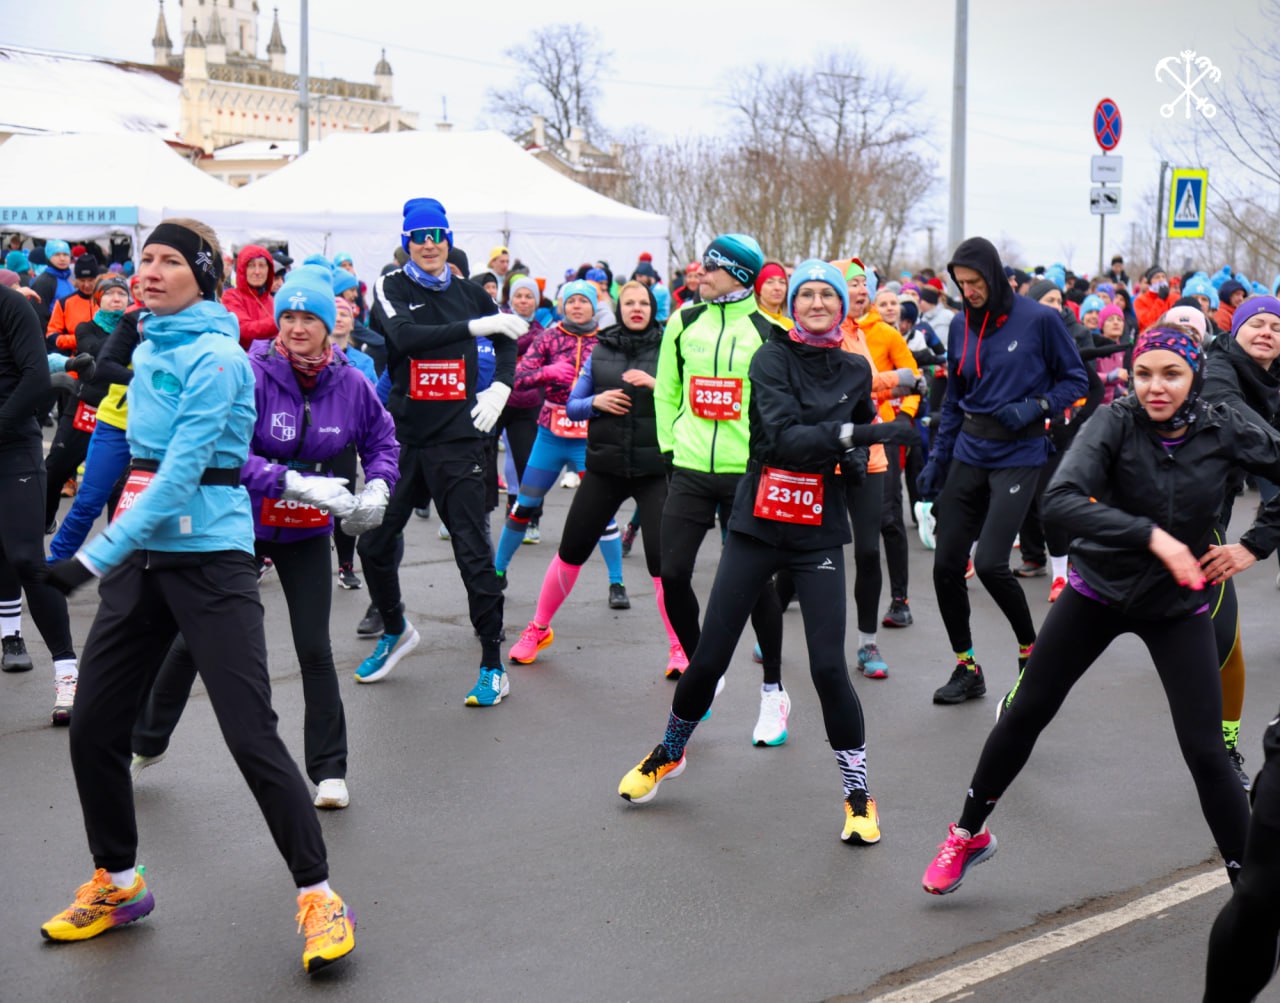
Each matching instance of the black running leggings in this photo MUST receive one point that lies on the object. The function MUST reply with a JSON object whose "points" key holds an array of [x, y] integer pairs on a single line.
{"points": [[893, 528], [987, 505], [1036, 534], [344, 465], [70, 447], [1075, 634], [592, 509], [521, 426], [746, 565], [866, 510]]}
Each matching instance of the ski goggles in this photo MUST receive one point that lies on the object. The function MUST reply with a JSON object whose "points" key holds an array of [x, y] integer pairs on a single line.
{"points": [[436, 234]]}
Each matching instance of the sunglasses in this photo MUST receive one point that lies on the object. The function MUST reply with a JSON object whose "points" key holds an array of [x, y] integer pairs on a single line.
{"points": [[436, 234]]}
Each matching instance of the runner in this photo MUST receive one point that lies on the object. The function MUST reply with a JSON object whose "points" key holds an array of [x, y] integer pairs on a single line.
{"points": [[251, 300], [519, 421], [179, 559], [1137, 568]]}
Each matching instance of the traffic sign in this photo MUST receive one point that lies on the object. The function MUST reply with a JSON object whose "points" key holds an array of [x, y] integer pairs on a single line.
{"points": [[1104, 201], [1187, 199], [1106, 124], [1108, 169]]}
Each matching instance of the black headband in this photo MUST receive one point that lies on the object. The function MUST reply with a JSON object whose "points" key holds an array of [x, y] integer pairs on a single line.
{"points": [[205, 264]]}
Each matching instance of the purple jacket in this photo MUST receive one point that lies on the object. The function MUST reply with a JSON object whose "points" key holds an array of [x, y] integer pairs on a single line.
{"points": [[293, 432]]}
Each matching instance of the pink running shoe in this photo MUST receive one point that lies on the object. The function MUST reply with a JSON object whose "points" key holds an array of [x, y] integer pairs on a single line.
{"points": [[956, 855], [677, 663], [532, 640]]}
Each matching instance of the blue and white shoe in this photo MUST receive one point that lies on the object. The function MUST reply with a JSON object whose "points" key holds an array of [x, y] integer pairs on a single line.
{"points": [[490, 688], [871, 663], [719, 690], [390, 649], [757, 655]]}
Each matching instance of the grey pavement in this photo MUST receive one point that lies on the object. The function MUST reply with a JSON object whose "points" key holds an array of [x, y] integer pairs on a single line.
{"points": [[489, 857]]}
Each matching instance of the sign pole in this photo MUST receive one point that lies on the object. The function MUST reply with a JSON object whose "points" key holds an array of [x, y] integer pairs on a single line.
{"points": [[1164, 166]]}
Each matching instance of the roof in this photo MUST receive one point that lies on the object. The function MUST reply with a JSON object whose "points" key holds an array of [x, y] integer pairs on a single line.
{"points": [[259, 149], [118, 97]]}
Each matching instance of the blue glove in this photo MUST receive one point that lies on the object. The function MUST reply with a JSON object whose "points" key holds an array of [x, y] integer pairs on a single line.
{"points": [[1016, 417], [931, 479]]}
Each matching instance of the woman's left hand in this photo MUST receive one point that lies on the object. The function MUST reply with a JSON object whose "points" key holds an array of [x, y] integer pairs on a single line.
{"points": [[639, 378], [1220, 563]]}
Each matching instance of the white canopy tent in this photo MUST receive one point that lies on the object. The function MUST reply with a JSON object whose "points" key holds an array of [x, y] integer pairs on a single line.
{"points": [[346, 194]]}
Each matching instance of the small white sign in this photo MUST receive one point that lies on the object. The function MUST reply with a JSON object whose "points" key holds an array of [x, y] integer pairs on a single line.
{"points": [[1109, 169], [1104, 201]]}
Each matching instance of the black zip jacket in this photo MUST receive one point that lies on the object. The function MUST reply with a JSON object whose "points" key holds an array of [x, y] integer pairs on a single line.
{"points": [[800, 396], [421, 324], [113, 360], [1118, 482], [24, 370], [625, 445]]}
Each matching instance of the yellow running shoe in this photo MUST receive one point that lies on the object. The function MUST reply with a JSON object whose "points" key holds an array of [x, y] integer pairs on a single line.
{"points": [[330, 927], [861, 819], [98, 907], [641, 784]]}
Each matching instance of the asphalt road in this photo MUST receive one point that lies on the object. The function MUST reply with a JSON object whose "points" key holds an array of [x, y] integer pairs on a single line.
{"points": [[489, 857]]}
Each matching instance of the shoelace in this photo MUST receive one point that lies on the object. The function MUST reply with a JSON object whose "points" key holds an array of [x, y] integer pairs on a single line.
{"points": [[312, 914], [533, 633], [93, 890], [657, 759], [858, 803], [949, 848]]}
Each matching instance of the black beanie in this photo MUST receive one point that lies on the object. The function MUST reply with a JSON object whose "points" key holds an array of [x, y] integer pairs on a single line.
{"points": [[86, 267], [1040, 289]]}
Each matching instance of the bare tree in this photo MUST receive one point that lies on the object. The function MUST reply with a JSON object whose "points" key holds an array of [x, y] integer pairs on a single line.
{"points": [[559, 76]]}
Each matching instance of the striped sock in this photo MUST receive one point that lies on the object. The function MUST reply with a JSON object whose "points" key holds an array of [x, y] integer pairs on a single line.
{"points": [[11, 616], [853, 768], [678, 733]]}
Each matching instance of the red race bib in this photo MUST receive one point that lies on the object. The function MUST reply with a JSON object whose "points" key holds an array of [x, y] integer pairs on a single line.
{"points": [[281, 514], [438, 379], [134, 485], [86, 419], [785, 496], [715, 397], [564, 428]]}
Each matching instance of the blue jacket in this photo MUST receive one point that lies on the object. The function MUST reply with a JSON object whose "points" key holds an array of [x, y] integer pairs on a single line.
{"points": [[191, 407], [361, 361]]}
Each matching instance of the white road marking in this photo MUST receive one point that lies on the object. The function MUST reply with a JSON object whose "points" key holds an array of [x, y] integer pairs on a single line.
{"points": [[957, 980]]}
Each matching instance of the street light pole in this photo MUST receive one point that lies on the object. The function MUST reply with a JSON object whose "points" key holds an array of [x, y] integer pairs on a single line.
{"points": [[304, 87], [955, 218], [1164, 166]]}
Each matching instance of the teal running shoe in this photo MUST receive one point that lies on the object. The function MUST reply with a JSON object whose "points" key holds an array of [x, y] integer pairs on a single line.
{"points": [[490, 688], [390, 649]]}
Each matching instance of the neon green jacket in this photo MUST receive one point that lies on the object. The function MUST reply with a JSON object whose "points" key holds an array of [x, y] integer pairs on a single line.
{"points": [[711, 340]]}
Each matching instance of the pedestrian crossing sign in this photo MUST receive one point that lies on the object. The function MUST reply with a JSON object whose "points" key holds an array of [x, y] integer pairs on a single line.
{"points": [[1187, 202]]}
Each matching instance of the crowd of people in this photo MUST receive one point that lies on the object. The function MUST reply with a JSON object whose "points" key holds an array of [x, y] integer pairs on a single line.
{"points": [[238, 417]]}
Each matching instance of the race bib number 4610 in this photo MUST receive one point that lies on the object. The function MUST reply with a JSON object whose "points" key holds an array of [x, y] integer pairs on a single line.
{"points": [[718, 398], [438, 379], [786, 496]]}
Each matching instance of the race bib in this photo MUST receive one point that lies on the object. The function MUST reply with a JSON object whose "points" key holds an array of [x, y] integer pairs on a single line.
{"points": [[281, 514], [564, 428], [86, 419], [438, 379], [134, 485], [785, 496], [716, 398]]}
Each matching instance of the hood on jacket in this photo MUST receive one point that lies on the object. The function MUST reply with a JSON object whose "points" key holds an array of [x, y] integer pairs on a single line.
{"points": [[1259, 387], [614, 333], [247, 254], [203, 317], [981, 255]]}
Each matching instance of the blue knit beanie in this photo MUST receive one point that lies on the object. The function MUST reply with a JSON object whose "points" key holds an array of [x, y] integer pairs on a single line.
{"points": [[579, 287], [52, 247], [343, 280], [342, 259], [17, 261], [320, 261], [738, 254], [815, 270], [424, 212], [308, 289], [1091, 304]]}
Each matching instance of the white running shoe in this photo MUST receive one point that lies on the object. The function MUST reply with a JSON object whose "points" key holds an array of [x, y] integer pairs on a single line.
{"points": [[771, 725], [570, 480], [332, 794], [64, 698], [140, 763], [443, 532]]}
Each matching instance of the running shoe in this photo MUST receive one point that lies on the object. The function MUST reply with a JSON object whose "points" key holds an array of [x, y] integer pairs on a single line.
{"points": [[332, 793], [968, 570], [898, 614], [443, 532], [570, 479], [1030, 569], [330, 928], [265, 567], [371, 625], [52, 528], [964, 684], [629, 538], [423, 513], [69, 489], [348, 579], [757, 655], [641, 784], [1056, 588], [771, 725], [99, 905], [618, 596], [15, 657], [719, 690], [490, 688], [64, 698], [139, 763], [861, 819], [532, 640], [388, 652], [1237, 764], [870, 662], [677, 662], [956, 854], [532, 535]]}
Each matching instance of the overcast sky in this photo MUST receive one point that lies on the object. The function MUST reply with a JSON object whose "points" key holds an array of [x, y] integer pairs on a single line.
{"points": [[1035, 75]]}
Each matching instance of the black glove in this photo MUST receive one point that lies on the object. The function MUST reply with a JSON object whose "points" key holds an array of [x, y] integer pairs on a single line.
{"points": [[853, 464], [63, 382], [67, 575], [83, 365], [1016, 417], [908, 421], [931, 479]]}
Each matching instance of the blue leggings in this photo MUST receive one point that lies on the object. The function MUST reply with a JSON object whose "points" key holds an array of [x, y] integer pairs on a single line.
{"points": [[106, 460], [550, 454]]}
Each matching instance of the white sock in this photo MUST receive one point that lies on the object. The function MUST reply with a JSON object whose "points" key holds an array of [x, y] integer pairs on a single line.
{"points": [[11, 616], [771, 688], [322, 887], [66, 667], [1059, 565], [124, 879], [865, 639]]}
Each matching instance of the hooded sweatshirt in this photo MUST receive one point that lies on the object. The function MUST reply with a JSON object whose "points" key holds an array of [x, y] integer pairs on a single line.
{"points": [[255, 308], [1010, 349]]}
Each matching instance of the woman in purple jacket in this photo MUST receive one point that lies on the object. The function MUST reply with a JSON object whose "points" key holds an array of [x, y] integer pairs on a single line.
{"points": [[312, 404]]}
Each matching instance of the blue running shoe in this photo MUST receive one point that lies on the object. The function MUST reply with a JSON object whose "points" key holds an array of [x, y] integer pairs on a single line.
{"points": [[390, 649], [490, 688], [871, 664]]}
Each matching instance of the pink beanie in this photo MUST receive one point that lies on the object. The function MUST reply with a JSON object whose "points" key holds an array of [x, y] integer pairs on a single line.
{"points": [[1110, 310]]}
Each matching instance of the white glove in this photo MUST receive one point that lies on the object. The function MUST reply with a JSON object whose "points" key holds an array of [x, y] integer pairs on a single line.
{"points": [[371, 506], [327, 493], [498, 323], [489, 405]]}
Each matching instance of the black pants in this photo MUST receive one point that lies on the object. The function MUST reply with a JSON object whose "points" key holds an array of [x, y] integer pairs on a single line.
{"points": [[690, 510], [212, 600], [893, 527], [22, 559], [988, 506], [521, 426], [344, 465], [70, 447], [304, 569], [866, 506], [1076, 633], [746, 565], [593, 507], [452, 474], [1242, 947], [1036, 534]]}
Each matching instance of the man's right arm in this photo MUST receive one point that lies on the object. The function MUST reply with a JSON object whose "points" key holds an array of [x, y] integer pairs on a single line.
{"points": [[392, 310]]}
